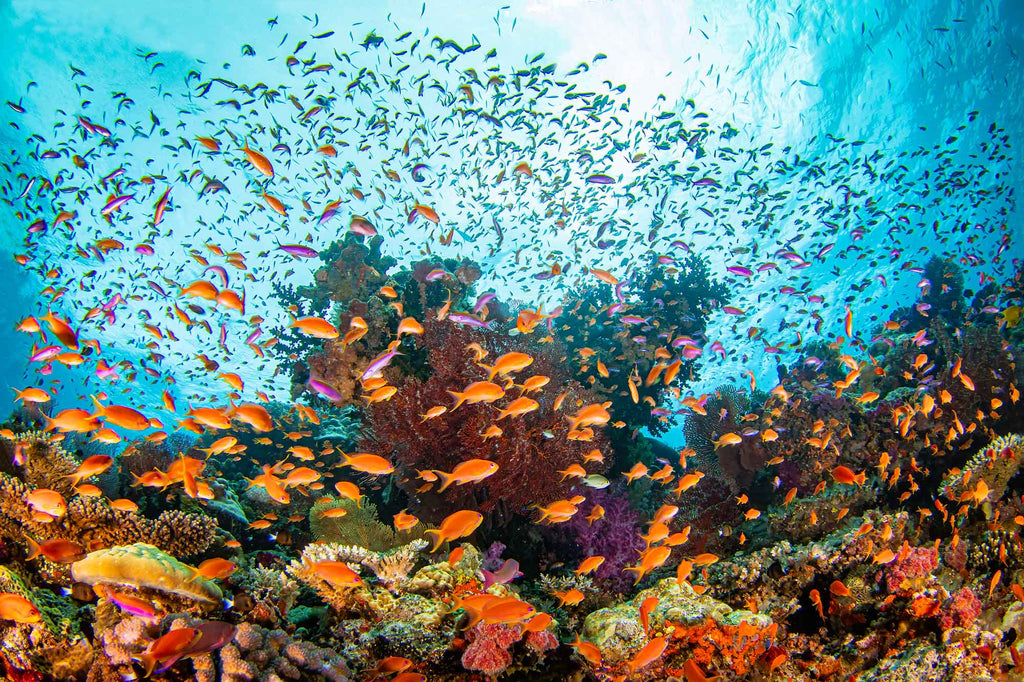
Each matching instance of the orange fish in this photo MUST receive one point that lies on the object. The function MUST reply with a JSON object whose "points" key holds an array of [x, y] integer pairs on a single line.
{"points": [[648, 655], [337, 573], [15, 607], [569, 597], [843, 474], [478, 392], [591, 564], [457, 525], [47, 501], [92, 466], [213, 569], [58, 551], [169, 646], [587, 650], [470, 471], [259, 161], [367, 463]]}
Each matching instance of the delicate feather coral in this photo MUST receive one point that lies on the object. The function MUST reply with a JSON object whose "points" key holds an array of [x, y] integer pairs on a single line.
{"points": [[359, 526]]}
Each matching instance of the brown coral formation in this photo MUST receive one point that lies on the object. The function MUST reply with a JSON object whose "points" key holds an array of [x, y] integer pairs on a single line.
{"points": [[93, 524]]}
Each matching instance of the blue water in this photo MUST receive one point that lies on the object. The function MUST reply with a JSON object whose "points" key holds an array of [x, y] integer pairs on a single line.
{"points": [[896, 77]]}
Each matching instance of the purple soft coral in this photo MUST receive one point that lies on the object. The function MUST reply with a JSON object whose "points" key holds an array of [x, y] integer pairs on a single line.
{"points": [[616, 537]]}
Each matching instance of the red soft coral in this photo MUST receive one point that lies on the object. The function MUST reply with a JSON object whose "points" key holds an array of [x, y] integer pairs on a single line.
{"points": [[530, 452]]}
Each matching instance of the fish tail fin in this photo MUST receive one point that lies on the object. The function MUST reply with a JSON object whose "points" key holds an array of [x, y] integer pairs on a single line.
{"points": [[491, 370], [99, 407], [446, 480], [861, 478], [148, 663], [459, 398], [34, 549], [438, 539]]}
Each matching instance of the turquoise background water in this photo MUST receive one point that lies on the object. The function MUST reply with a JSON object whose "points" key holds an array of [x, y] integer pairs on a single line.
{"points": [[899, 76]]}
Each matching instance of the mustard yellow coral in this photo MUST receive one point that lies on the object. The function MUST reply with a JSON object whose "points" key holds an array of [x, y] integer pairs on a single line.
{"points": [[146, 567]]}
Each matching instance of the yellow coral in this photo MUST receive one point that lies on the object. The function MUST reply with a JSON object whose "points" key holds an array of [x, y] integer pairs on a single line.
{"points": [[146, 567]]}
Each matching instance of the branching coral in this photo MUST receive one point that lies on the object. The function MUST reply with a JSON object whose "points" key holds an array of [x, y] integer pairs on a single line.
{"points": [[391, 567], [994, 466], [252, 653]]}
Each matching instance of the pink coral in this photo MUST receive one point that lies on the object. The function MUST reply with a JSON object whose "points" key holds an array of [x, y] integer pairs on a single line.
{"points": [[961, 609], [486, 656], [905, 574], [541, 641], [488, 648]]}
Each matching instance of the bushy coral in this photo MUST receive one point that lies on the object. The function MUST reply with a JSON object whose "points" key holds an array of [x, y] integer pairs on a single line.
{"points": [[530, 451], [671, 300], [616, 536]]}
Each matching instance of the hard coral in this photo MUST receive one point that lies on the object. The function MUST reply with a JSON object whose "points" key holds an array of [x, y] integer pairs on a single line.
{"points": [[144, 566]]}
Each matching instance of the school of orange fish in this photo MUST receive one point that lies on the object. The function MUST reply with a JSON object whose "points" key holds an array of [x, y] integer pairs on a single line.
{"points": [[155, 237]]}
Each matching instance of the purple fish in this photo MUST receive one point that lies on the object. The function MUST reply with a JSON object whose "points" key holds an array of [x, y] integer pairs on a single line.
{"points": [[37, 226], [740, 270], [544, 276], [633, 319], [145, 249], [298, 250], [219, 269], [508, 572], [730, 310], [132, 607], [683, 340], [156, 287], [327, 215], [614, 308], [482, 301], [324, 390], [116, 203], [598, 179], [435, 275], [691, 352], [605, 243], [717, 347], [468, 320], [706, 182], [44, 354], [115, 301], [379, 363], [417, 171], [765, 267]]}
